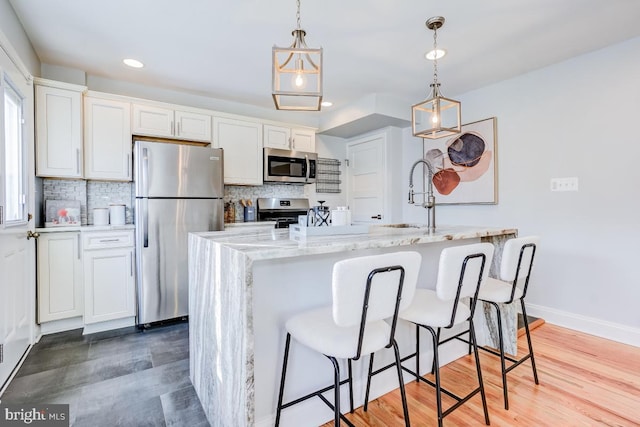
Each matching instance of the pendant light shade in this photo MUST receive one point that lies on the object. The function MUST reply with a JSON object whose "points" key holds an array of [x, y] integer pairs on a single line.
{"points": [[297, 74], [437, 116]]}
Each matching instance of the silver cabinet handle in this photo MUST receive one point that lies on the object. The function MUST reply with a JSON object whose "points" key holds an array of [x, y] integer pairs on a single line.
{"points": [[109, 240], [131, 261], [128, 166], [172, 128], [178, 131], [78, 161], [79, 254]]}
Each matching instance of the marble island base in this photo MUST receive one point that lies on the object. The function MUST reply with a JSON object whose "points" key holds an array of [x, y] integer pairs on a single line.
{"points": [[242, 289]]}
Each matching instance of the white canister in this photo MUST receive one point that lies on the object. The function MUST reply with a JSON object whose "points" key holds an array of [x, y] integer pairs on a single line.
{"points": [[340, 216], [101, 216], [116, 212]]}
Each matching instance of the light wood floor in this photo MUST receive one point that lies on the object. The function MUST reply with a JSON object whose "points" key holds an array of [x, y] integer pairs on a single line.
{"points": [[584, 381]]}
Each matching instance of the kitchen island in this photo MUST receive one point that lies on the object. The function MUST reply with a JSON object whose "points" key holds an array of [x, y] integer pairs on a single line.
{"points": [[243, 286]]}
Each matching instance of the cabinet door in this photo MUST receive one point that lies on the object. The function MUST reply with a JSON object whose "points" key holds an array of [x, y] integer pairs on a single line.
{"points": [[59, 276], [109, 284], [193, 126], [107, 139], [58, 132], [303, 140], [277, 137], [242, 144], [153, 121]]}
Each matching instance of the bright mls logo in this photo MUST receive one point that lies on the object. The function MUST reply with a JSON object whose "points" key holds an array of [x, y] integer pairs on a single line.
{"points": [[34, 415]]}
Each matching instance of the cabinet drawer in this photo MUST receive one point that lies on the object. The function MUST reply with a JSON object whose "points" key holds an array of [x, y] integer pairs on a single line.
{"points": [[107, 239]]}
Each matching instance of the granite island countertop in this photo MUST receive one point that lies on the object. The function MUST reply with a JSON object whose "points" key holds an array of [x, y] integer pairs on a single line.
{"points": [[272, 244]]}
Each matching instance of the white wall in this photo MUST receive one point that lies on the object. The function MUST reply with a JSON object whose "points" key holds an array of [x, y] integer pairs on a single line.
{"points": [[12, 29], [573, 119]]}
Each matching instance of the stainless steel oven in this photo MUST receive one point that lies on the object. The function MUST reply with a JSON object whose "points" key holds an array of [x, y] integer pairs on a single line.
{"points": [[288, 166], [283, 211]]}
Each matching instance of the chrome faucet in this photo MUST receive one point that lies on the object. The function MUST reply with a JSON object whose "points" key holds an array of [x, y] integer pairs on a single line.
{"points": [[428, 202]]}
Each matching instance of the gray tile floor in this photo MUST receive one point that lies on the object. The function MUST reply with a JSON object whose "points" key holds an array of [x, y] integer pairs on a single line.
{"points": [[124, 377]]}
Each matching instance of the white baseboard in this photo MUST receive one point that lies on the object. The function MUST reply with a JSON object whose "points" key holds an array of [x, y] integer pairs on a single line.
{"points": [[601, 328], [92, 328], [63, 325]]}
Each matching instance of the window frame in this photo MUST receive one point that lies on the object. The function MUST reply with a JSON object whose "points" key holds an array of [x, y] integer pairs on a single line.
{"points": [[8, 87]]}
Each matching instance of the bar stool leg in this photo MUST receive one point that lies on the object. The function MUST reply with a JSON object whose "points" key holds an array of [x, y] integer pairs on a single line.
{"points": [[472, 335], [336, 386], [403, 395], [526, 328], [282, 377], [350, 385], [417, 353], [366, 394], [502, 357], [436, 371], [433, 364]]}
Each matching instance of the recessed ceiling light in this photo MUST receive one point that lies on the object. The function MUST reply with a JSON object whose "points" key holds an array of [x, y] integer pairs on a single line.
{"points": [[435, 54], [326, 103], [133, 63]]}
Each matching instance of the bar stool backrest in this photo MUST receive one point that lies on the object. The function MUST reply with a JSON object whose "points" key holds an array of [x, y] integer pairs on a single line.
{"points": [[460, 271], [453, 268], [349, 286], [517, 261]]}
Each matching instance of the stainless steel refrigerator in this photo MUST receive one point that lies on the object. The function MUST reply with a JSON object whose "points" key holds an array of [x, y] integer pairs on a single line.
{"points": [[178, 189]]}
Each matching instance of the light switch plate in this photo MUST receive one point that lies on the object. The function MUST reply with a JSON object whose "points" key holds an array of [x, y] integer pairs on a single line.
{"points": [[564, 184]]}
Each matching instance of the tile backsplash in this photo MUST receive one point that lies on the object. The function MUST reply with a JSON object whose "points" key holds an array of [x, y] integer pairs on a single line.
{"points": [[91, 194], [100, 194]]}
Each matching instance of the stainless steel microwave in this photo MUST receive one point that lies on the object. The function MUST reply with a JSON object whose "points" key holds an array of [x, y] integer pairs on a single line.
{"points": [[288, 166]]}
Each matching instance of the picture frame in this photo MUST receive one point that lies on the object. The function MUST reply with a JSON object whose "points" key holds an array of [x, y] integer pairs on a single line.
{"points": [[62, 213], [466, 165]]}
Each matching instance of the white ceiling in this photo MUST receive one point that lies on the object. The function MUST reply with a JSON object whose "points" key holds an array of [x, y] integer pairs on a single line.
{"points": [[222, 49]]}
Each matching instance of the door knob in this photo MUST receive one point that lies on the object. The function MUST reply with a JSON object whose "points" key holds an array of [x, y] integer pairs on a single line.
{"points": [[377, 216], [33, 234]]}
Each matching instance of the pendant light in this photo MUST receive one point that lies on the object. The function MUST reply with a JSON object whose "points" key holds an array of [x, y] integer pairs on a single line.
{"points": [[438, 116], [297, 74]]}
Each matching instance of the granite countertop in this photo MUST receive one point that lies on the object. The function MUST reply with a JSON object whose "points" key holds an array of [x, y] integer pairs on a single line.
{"points": [[85, 228], [262, 244]]}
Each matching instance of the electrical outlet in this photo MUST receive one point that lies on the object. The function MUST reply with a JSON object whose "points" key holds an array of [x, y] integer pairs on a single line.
{"points": [[564, 184]]}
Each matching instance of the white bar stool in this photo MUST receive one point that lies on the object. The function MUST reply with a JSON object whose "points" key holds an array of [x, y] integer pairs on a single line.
{"points": [[515, 271], [366, 291], [460, 271]]}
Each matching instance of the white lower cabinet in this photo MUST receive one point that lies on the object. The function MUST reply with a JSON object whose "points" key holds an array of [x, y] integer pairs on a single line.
{"points": [[59, 276], [109, 284], [86, 278]]}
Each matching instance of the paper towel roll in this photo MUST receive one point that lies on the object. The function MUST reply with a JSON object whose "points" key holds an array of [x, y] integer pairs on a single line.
{"points": [[116, 213]]}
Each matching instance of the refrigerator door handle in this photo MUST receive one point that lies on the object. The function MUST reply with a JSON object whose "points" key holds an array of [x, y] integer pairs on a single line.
{"points": [[144, 175], [144, 218]]}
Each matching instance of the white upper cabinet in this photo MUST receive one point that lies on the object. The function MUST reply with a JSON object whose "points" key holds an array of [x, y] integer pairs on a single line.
{"points": [[107, 139], [166, 122], [58, 129], [241, 141], [289, 139]]}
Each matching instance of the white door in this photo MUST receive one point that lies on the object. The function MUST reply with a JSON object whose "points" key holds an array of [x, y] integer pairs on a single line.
{"points": [[17, 256], [366, 179]]}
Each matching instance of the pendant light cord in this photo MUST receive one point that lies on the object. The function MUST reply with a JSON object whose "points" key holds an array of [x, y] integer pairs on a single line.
{"points": [[298, 13], [435, 57]]}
